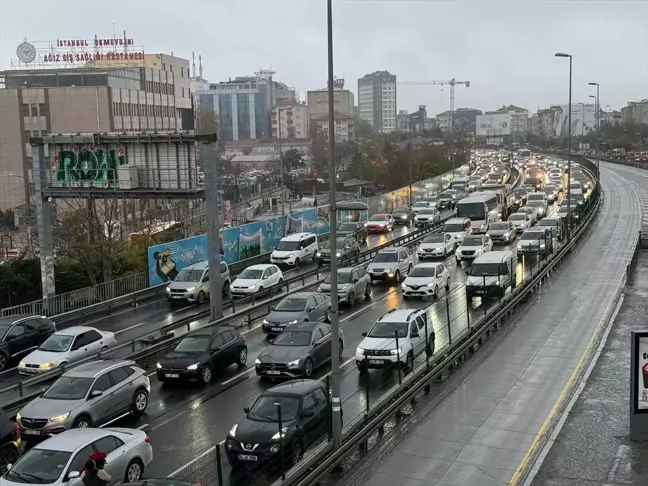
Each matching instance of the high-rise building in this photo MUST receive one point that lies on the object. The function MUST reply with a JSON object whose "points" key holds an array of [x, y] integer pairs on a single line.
{"points": [[90, 99], [377, 100]]}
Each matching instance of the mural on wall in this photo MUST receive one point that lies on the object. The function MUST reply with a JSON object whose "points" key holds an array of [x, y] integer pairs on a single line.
{"points": [[87, 166]]}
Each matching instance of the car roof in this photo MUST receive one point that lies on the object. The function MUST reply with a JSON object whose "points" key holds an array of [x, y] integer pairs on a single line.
{"points": [[7, 321], [90, 370], [380, 214], [535, 229], [72, 439], [308, 326], [297, 236], [197, 266], [260, 266], [398, 315], [294, 387], [391, 250], [210, 331], [74, 330], [492, 257], [457, 220], [426, 265]]}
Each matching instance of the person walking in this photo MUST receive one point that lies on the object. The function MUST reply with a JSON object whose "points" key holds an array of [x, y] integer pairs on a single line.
{"points": [[93, 476]]}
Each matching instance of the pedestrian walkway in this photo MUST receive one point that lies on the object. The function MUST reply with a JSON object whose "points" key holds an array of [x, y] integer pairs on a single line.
{"points": [[593, 447]]}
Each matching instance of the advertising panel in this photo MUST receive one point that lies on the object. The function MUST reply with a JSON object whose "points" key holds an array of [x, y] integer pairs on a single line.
{"points": [[493, 125], [641, 369], [583, 119]]}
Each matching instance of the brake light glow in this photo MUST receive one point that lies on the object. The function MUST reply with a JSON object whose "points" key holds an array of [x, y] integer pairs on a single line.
{"points": [[243, 336], [147, 439], [145, 373]]}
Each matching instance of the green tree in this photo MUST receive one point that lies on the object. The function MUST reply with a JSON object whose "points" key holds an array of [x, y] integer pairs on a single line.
{"points": [[292, 159], [362, 128]]}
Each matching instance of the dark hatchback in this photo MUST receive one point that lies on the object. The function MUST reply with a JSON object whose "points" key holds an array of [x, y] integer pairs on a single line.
{"points": [[297, 351], [304, 421], [404, 216], [9, 442], [21, 335], [202, 352], [357, 230]]}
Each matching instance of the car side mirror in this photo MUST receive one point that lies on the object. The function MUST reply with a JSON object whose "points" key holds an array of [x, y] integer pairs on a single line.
{"points": [[10, 338], [96, 393], [266, 277], [272, 307], [355, 280], [415, 334], [307, 413], [205, 279], [73, 475], [8, 466], [246, 409], [364, 334]]}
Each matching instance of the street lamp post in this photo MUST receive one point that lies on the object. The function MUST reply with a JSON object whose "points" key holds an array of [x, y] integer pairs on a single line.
{"points": [[598, 126], [562, 54], [281, 172]]}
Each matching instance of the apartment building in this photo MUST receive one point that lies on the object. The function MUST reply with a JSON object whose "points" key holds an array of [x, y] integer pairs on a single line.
{"points": [[343, 127], [377, 100], [317, 102], [290, 120]]}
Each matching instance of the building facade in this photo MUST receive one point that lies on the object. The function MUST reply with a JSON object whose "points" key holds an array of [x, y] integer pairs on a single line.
{"points": [[518, 121], [377, 100], [317, 102], [414, 122], [128, 99], [460, 120], [290, 120], [343, 127], [636, 112]]}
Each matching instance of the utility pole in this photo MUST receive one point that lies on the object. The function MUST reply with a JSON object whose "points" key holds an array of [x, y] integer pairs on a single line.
{"points": [[281, 172], [335, 323], [598, 128], [569, 119]]}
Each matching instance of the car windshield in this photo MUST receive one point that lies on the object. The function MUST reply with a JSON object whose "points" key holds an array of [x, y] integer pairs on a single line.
{"points": [[472, 241], [517, 217], [383, 329], [400, 211], [422, 272], [187, 275], [377, 217], [347, 227], [435, 238], [265, 408], [487, 269], [427, 211], [343, 276], [453, 228], [287, 245], [4, 328], [291, 304], [420, 204], [535, 204], [445, 195], [293, 338], [57, 343], [548, 222], [193, 344], [385, 258], [38, 466], [68, 388], [533, 235], [498, 227], [251, 273]]}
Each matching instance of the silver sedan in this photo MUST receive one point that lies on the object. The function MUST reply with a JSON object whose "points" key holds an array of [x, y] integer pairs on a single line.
{"points": [[352, 283]]}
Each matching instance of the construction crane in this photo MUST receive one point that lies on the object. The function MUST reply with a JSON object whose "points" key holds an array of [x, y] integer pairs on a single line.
{"points": [[452, 84]]}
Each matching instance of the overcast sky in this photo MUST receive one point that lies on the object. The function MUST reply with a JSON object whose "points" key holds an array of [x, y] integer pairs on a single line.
{"points": [[505, 49]]}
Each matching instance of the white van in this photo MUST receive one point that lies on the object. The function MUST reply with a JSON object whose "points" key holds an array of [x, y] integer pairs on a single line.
{"points": [[294, 249], [491, 274]]}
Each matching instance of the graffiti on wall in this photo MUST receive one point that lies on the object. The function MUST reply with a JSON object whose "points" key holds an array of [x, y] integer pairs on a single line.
{"points": [[88, 166]]}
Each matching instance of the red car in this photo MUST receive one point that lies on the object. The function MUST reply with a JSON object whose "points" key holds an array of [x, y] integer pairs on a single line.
{"points": [[380, 223]]}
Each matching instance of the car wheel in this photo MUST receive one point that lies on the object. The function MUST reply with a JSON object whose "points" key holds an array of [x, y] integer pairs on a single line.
{"points": [[409, 269], [436, 291], [447, 283], [8, 455], [430, 346], [362, 368], [201, 297], [397, 276], [134, 471], [341, 350], [308, 368], [296, 262], [82, 422], [297, 453], [4, 360], [206, 375], [242, 357], [140, 402], [351, 298], [226, 287], [409, 363], [367, 292]]}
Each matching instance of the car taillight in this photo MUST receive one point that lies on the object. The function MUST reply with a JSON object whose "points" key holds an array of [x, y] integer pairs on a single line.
{"points": [[147, 439], [243, 336], [16, 428], [145, 373]]}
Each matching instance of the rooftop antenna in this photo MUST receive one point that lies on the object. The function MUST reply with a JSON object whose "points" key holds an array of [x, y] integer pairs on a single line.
{"points": [[200, 66], [193, 64]]}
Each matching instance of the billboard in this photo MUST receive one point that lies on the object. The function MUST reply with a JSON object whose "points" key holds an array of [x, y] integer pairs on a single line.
{"points": [[493, 125], [583, 119], [640, 372]]}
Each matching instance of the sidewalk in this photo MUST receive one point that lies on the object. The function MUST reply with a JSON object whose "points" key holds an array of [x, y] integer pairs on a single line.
{"points": [[593, 448]]}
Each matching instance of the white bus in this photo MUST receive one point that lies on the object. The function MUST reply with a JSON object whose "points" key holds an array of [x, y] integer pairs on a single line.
{"points": [[482, 210], [498, 192]]}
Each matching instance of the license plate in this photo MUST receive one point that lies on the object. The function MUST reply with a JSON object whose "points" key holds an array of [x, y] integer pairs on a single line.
{"points": [[376, 361], [31, 432], [247, 457], [276, 329], [172, 375], [177, 296], [415, 293], [273, 372], [30, 370]]}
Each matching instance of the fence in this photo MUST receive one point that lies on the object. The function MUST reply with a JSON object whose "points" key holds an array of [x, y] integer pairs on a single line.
{"points": [[455, 325]]}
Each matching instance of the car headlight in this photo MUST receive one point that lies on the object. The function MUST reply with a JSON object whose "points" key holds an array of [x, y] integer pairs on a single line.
{"points": [[159, 366], [47, 366], [257, 361], [168, 290], [294, 363], [519, 247], [60, 418], [290, 255], [283, 432], [294, 321], [21, 364], [193, 366], [542, 245], [360, 350], [381, 224], [319, 254], [396, 351], [18, 417], [191, 289], [265, 321], [274, 448], [232, 431], [366, 224], [403, 217], [338, 254], [252, 287]]}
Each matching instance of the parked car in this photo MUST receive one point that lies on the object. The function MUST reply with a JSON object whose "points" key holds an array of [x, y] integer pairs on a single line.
{"points": [[436, 245], [380, 223], [60, 459], [22, 334], [305, 412], [201, 353], [87, 396], [357, 230], [425, 280], [192, 283], [294, 308], [297, 351], [503, 232], [255, 279], [347, 249], [65, 347], [352, 283], [391, 263], [403, 216]]}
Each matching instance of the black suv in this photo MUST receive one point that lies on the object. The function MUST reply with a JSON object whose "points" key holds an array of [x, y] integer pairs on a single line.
{"points": [[404, 216], [21, 335], [304, 421], [202, 352]]}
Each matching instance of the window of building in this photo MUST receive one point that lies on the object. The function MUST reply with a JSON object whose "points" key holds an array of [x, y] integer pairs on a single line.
{"points": [[183, 93], [26, 111], [34, 110], [42, 109], [163, 67], [171, 67], [181, 71]]}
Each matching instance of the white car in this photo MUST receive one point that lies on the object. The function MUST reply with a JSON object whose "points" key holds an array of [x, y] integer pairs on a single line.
{"points": [[539, 206], [458, 228], [426, 279], [378, 348], [60, 460], [65, 347], [418, 205], [255, 279], [472, 246], [427, 216], [521, 221], [436, 245], [532, 212], [391, 263]]}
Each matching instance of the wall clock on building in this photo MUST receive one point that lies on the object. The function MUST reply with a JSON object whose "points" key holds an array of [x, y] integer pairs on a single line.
{"points": [[26, 52]]}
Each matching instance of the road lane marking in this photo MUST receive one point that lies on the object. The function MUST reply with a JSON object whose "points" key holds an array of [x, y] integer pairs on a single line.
{"points": [[141, 427], [246, 372]]}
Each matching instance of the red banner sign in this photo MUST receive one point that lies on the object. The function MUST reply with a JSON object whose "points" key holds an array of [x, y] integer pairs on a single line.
{"points": [[54, 57]]}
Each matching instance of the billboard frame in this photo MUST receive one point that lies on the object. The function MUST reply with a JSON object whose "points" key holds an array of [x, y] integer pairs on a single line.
{"points": [[638, 417]]}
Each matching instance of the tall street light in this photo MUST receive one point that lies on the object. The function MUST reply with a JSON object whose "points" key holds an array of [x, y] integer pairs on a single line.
{"points": [[598, 126], [336, 422], [569, 115], [281, 169]]}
